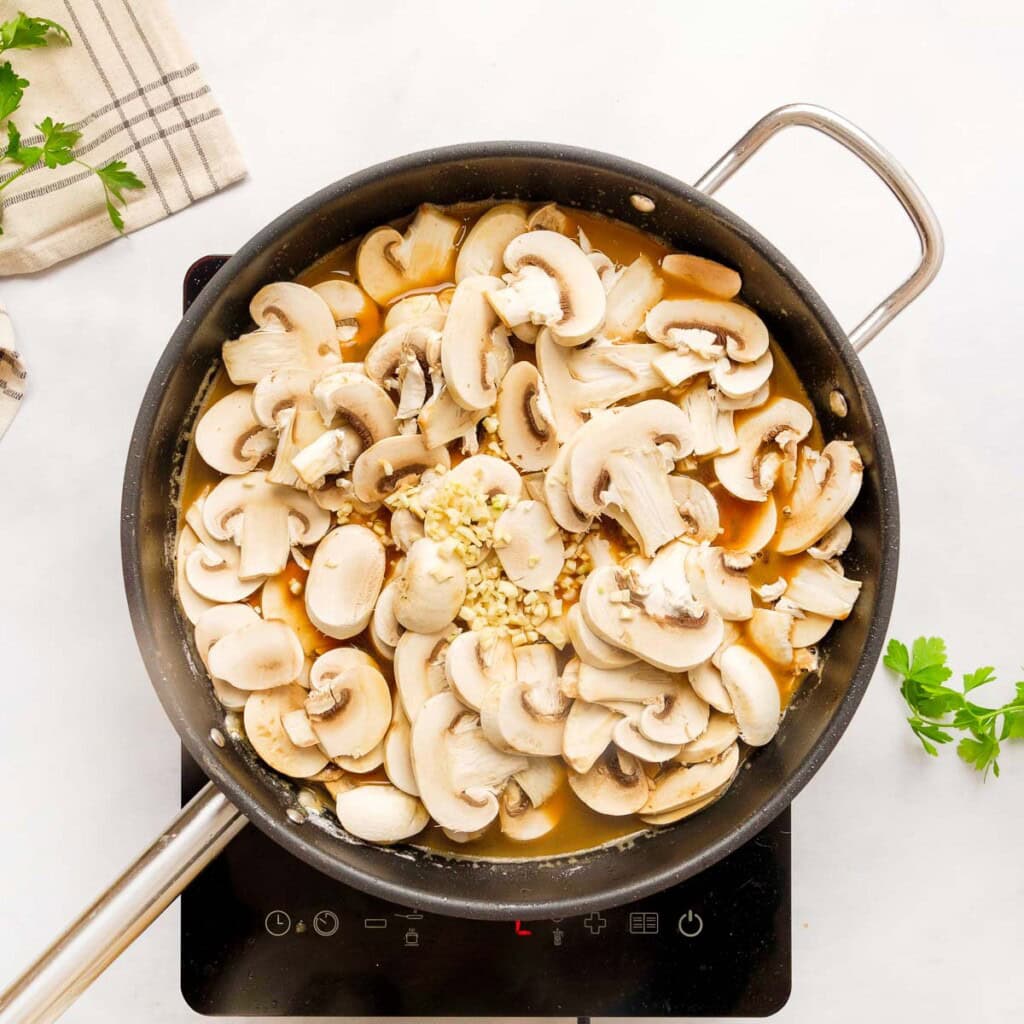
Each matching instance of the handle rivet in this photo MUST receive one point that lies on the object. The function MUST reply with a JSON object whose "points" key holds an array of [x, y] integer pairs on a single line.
{"points": [[218, 737], [645, 204], [295, 816], [838, 404]]}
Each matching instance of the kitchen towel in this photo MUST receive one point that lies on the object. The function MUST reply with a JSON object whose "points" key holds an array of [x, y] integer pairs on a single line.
{"points": [[12, 374], [129, 84]]}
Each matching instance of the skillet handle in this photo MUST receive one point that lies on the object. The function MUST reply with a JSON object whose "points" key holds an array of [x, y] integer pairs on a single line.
{"points": [[106, 929], [900, 183]]}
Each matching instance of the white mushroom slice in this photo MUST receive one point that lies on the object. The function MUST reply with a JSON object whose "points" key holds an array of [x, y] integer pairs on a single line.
{"points": [[365, 764], [381, 814], [556, 494], [826, 486], [754, 401], [475, 352], [264, 520], [755, 696], [213, 625], [628, 737], [590, 648], [738, 380], [620, 459], [588, 732], [442, 420], [262, 719], [416, 310], [731, 634], [298, 728], [348, 304], [526, 422], [719, 579], [351, 714], [393, 463], [398, 754], [474, 764], [487, 475], [697, 508], [682, 785], [834, 543], [630, 299], [711, 426], [483, 250], [193, 604], [420, 669], [332, 452], [335, 661], [526, 717], [706, 275], [283, 400], [211, 568], [550, 218], [771, 633], [523, 821], [230, 438], [431, 588], [473, 666], [706, 681], [809, 628], [666, 708], [295, 329], [714, 741], [283, 601], [816, 587], [389, 263], [529, 546], [406, 528], [757, 521], [407, 340], [552, 284], [541, 779], [615, 785], [739, 332], [344, 580], [357, 405], [686, 811], [436, 767], [385, 629], [764, 438], [259, 656]]}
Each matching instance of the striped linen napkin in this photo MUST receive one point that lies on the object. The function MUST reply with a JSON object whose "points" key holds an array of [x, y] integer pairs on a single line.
{"points": [[12, 374]]}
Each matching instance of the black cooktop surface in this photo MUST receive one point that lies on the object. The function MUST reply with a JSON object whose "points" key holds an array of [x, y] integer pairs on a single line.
{"points": [[263, 934]]}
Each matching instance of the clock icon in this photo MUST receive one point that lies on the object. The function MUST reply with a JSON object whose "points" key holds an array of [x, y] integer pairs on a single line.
{"points": [[277, 923], [325, 923]]}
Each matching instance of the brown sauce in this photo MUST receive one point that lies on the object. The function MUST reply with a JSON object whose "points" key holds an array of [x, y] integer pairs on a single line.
{"points": [[580, 828]]}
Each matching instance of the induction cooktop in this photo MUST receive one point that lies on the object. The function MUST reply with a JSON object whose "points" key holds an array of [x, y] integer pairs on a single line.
{"points": [[264, 934]]}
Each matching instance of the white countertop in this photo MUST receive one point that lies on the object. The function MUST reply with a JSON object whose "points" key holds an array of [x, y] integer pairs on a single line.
{"points": [[906, 875]]}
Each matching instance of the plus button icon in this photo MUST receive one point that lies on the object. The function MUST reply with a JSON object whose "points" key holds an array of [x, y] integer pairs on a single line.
{"points": [[595, 923]]}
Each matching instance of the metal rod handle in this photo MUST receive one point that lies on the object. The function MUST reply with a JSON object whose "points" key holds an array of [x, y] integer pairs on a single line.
{"points": [[203, 828], [902, 186]]}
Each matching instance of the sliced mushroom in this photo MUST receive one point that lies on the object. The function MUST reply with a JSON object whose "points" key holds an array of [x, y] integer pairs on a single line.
{"points": [[588, 732], [706, 681], [817, 587], [295, 329], [398, 752], [264, 729], [679, 786], [193, 604], [213, 625], [711, 425], [264, 520], [765, 438], [431, 587], [740, 380], [298, 728], [552, 284], [556, 494], [344, 581], [385, 630], [258, 656], [628, 737], [590, 648], [808, 628], [615, 785], [473, 665], [706, 275], [351, 713], [521, 821], [526, 422], [395, 462], [211, 568], [620, 459], [550, 218], [423, 310], [709, 327], [487, 475], [368, 762], [389, 263], [834, 543], [406, 528], [420, 669], [358, 406], [771, 632], [407, 340], [754, 694], [826, 486], [697, 508], [714, 741], [475, 353], [230, 438], [283, 400], [381, 814], [483, 250], [350, 307], [282, 599], [529, 546], [632, 296], [719, 579]]}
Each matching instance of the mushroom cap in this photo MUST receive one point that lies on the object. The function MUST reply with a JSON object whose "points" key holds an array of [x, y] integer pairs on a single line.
{"points": [[420, 668], [472, 666], [681, 785], [211, 572], [628, 737], [755, 696], [632, 296], [815, 508], [749, 473], [740, 380], [385, 629], [262, 717], [590, 648], [369, 762], [335, 661], [523, 717], [344, 581], [193, 604], [739, 330], [475, 353], [533, 554], [816, 586], [351, 713], [392, 463], [615, 785], [361, 406], [809, 629], [397, 752], [380, 814], [215, 623], [707, 275], [349, 305], [715, 740], [834, 543], [406, 339], [526, 422], [483, 249], [706, 681], [431, 588], [697, 508], [771, 633], [229, 437], [581, 294], [488, 476], [291, 387], [556, 494], [588, 732], [259, 656], [719, 579]]}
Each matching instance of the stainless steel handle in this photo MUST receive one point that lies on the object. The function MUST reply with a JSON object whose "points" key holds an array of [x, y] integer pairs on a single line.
{"points": [[203, 828], [882, 162]]}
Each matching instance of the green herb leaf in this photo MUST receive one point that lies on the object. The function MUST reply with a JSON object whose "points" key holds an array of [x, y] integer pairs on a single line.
{"points": [[24, 33], [116, 178], [979, 677], [24, 155], [58, 142], [12, 88]]}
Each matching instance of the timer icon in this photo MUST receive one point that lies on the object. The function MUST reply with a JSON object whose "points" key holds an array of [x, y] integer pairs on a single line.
{"points": [[277, 923], [325, 923]]}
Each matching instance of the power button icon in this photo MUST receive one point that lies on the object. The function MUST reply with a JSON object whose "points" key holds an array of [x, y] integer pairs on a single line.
{"points": [[690, 925]]}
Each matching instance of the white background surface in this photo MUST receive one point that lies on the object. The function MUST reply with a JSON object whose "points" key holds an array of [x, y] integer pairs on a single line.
{"points": [[907, 881]]}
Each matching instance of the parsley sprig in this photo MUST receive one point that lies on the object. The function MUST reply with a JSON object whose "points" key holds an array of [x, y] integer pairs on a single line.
{"points": [[937, 710], [23, 32]]}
